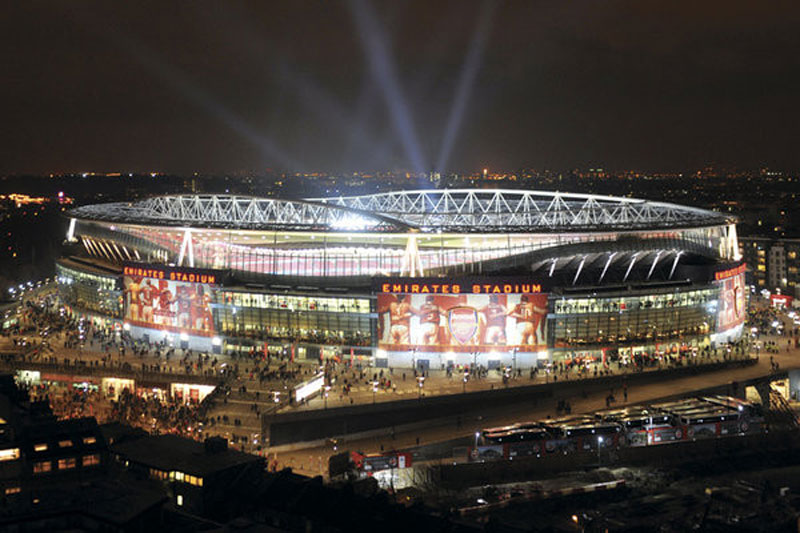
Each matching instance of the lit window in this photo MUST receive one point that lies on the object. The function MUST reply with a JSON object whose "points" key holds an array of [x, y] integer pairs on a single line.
{"points": [[89, 440], [67, 463], [178, 476], [13, 490], [179, 499], [194, 480], [65, 443], [91, 460], [11, 454], [42, 467], [40, 447]]}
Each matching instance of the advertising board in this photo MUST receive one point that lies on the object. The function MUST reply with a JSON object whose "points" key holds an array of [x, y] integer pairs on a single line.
{"points": [[170, 299], [732, 302], [471, 316]]}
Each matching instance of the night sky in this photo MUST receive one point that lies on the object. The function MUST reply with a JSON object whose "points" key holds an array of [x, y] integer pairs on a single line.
{"points": [[431, 85]]}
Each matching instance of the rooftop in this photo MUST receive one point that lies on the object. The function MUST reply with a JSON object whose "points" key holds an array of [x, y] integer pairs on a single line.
{"points": [[170, 452], [449, 210]]}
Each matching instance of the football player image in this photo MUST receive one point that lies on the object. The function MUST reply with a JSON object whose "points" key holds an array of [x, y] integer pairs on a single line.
{"points": [[430, 318], [163, 313], [184, 306], [495, 321], [400, 320], [528, 316], [134, 293], [148, 295]]}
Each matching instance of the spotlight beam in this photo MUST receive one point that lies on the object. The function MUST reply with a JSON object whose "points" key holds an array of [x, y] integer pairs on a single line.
{"points": [[466, 81], [323, 104], [176, 80], [382, 68]]}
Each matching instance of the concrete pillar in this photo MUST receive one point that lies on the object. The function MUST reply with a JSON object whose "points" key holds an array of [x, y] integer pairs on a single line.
{"points": [[763, 390]]}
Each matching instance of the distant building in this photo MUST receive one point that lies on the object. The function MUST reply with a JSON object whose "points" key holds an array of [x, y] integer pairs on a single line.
{"points": [[773, 263]]}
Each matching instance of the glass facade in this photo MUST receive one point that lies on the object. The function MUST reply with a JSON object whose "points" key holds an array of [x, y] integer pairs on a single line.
{"points": [[655, 319], [588, 323], [280, 317], [88, 291]]}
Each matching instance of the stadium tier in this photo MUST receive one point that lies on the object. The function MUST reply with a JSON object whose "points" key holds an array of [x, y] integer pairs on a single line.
{"points": [[410, 278]]}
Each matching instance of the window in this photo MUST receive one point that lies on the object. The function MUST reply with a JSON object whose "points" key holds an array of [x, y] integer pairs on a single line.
{"points": [[11, 454], [91, 460], [194, 480], [89, 440], [42, 467], [179, 499], [40, 447], [65, 443], [177, 476], [13, 490], [67, 463]]}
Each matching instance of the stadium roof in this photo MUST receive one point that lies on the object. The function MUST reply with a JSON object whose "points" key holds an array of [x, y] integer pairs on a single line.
{"points": [[450, 210]]}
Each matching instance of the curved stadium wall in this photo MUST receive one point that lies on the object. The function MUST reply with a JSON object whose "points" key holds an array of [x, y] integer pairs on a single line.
{"points": [[616, 276]]}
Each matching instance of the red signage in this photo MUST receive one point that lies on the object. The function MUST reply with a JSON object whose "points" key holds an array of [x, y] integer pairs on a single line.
{"points": [[460, 288], [731, 272], [169, 274], [780, 300]]}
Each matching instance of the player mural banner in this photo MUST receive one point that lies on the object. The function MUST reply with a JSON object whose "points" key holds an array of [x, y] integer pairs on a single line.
{"points": [[732, 302], [483, 316], [169, 299]]}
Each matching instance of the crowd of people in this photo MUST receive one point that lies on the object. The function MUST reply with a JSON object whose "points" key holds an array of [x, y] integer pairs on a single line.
{"points": [[157, 415], [266, 334]]}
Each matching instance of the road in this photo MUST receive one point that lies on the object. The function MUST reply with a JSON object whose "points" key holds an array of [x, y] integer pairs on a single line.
{"points": [[313, 460]]}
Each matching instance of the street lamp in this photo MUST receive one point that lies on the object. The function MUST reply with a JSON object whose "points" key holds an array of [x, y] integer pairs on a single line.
{"points": [[464, 382], [477, 434], [599, 443], [421, 381], [325, 395], [374, 390]]}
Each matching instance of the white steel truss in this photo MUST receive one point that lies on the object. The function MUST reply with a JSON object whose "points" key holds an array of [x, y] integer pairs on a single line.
{"points": [[232, 212], [457, 210], [515, 210]]}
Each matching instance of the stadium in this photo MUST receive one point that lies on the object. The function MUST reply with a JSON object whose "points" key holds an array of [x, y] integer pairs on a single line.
{"points": [[427, 278]]}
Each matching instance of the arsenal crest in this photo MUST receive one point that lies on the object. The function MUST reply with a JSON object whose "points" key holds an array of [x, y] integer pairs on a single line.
{"points": [[463, 323]]}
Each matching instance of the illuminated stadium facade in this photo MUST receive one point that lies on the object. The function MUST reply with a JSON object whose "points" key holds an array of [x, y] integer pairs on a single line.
{"points": [[410, 278]]}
